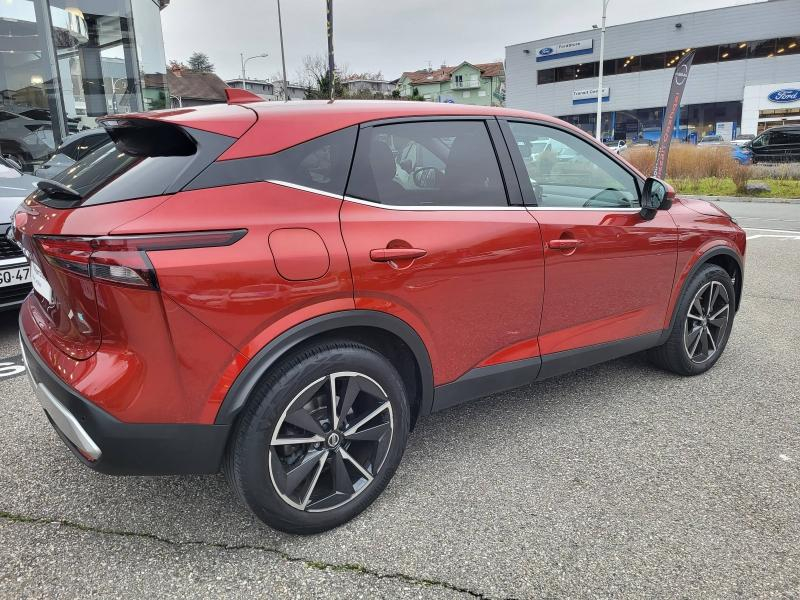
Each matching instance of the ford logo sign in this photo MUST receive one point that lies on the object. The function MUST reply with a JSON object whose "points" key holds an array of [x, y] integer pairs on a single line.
{"points": [[788, 95], [545, 51]]}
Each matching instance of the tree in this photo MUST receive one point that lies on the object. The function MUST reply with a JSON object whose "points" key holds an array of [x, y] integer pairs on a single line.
{"points": [[315, 78], [200, 63], [175, 65]]}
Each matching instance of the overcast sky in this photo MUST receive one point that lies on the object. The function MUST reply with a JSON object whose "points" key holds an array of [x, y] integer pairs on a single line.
{"points": [[391, 36]]}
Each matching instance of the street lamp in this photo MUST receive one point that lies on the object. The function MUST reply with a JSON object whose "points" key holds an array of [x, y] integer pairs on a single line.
{"points": [[244, 62], [598, 130]]}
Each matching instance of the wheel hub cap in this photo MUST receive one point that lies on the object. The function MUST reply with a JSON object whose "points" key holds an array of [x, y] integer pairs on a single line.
{"points": [[706, 322], [330, 442]]}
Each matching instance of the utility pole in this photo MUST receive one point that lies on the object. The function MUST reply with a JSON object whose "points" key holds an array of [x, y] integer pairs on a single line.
{"points": [[331, 64], [283, 56], [599, 129]]}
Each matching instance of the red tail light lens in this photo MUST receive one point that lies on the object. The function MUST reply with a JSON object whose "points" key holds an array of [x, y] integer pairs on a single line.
{"points": [[123, 260]]}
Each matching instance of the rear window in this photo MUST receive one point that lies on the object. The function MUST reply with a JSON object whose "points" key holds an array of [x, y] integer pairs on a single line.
{"points": [[119, 171]]}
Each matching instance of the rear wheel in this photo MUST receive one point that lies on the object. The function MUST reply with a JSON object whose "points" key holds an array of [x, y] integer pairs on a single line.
{"points": [[320, 438], [703, 324]]}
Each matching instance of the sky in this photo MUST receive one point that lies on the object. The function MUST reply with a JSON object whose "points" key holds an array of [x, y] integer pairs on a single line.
{"points": [[388, 36]]}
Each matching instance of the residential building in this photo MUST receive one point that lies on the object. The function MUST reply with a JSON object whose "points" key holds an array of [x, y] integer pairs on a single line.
{"points": [[189, 88], [63, 64], [263, 88], [467, 83], [745, 75], [369, 87], [296, 90]]}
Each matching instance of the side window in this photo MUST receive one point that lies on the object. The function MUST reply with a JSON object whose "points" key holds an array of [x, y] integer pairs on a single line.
{"points": [[566, 171], [761, 140], [778, 138], [427, 163], [321, 163]]}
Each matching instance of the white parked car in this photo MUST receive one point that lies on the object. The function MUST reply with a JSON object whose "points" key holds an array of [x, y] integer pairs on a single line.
{"points": [[15, 272], [616, 146], [743, 139]]}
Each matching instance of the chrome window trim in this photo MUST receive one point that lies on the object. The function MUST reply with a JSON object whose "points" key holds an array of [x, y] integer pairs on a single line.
{"points": [[444, 208]]}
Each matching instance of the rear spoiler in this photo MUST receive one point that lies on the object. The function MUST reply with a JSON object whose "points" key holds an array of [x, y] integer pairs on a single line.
{"points": [[240, 96], [148, 137]]}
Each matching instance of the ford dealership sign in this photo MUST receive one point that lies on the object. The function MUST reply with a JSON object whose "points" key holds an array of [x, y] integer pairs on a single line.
{"points": [[786, 95], [564, 50]]}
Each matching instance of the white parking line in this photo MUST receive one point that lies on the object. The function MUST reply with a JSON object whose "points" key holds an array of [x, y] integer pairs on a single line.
{"points": [[792, 231], [784, 234]]}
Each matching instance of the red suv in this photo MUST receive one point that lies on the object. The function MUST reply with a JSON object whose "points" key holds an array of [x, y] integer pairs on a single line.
{"points": [[281, 290]]}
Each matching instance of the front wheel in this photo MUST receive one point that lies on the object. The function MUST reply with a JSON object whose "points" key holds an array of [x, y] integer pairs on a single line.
{"points": [[702, 326], [320, 438]]}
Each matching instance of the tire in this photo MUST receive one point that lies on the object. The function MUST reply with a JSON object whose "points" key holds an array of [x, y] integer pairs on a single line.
{"points": [[340, 464], [696, 340]]}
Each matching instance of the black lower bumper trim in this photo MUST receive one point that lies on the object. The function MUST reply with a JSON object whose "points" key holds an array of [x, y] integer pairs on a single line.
{"points": [[134, 449]]}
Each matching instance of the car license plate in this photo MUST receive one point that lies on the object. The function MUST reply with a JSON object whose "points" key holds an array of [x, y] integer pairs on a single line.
{"points": [[15, 276], [40, 283]]}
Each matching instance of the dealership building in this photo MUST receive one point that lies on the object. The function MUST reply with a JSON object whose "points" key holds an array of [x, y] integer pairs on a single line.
{"points": [[745, 76], [63, 63]]}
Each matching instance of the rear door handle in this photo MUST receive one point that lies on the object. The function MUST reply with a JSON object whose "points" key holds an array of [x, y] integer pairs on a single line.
{"points": [[564, 244], [390, 254]]}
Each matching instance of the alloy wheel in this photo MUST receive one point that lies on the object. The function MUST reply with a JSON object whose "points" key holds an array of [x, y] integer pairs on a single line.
{"points": [[706, 322], [331, 441]]}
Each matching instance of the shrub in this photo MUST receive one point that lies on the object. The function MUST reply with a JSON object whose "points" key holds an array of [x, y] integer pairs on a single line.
{"points": [[686, 161]]}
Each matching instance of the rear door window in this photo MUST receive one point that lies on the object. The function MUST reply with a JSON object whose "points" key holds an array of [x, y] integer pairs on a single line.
{"points": [[427, 163]]}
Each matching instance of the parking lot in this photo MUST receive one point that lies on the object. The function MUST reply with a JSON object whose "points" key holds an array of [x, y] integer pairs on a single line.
{"points": [[619, 480]]}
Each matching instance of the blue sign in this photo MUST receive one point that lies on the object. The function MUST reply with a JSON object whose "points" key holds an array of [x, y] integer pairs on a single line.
{"points": [[785, 95], [564, 49]]}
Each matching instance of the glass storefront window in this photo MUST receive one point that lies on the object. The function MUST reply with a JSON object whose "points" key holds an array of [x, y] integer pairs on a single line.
{"points": [[150, 51], [96, 58], [27, 97]]}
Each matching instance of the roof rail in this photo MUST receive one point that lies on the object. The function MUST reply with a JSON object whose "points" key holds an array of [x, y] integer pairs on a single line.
{"points": [[240, 96]]}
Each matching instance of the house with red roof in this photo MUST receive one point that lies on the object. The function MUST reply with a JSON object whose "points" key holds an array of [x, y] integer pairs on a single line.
{"points": [[467, 83]]}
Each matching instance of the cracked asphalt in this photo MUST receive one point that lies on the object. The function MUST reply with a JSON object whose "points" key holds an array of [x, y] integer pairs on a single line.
{"points": [[615, 481]]}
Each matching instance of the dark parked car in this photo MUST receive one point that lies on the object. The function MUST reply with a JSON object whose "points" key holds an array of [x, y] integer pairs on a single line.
{"points": [[778, 144], [73, 148], [275, 290]]}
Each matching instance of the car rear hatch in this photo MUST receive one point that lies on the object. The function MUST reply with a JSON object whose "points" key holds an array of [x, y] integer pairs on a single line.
{"points": [[64, 225]]}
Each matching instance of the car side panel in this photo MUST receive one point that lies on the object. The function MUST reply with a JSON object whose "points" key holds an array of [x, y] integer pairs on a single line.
{"points": [[615, 285], [238, 291], [697, 235], [477, 291]]}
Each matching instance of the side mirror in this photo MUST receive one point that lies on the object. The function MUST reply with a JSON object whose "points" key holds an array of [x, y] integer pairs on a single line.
{"points": [[656, 195]]}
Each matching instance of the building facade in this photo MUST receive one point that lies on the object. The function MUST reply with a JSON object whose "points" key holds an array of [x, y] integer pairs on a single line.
{"points": [[467, 83], [63, 63], [369, 87], [265, 89], [746, 66]]}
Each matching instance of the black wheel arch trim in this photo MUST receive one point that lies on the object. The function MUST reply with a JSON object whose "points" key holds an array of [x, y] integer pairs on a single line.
{"points": [[703, 260], [267, 357]]}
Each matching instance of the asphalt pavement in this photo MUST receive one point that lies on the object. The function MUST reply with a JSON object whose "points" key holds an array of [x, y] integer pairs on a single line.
{"points": [[615, 481]]}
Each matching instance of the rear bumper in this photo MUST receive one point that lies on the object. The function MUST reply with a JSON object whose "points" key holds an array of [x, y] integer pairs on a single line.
{"points": [[110, 446]]}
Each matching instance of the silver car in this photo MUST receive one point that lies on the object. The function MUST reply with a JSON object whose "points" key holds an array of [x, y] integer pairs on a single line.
{"points": [[15, 272], [72, 149]]}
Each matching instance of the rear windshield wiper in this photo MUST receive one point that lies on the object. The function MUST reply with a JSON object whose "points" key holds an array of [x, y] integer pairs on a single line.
{"points": [[58, 191]]}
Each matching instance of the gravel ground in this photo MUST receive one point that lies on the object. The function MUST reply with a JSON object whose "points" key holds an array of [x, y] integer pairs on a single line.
{"points": [[619, 480]]}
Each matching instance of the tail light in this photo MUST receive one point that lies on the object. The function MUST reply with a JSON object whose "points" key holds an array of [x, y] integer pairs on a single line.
{"points": [[123, 260]]}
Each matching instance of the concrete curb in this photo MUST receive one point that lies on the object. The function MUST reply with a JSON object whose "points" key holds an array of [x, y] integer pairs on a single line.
{"points": [[743, 199]]}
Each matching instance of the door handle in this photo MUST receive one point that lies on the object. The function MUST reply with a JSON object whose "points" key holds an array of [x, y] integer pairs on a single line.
{"points": [[564, 244], [390, 254]]}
